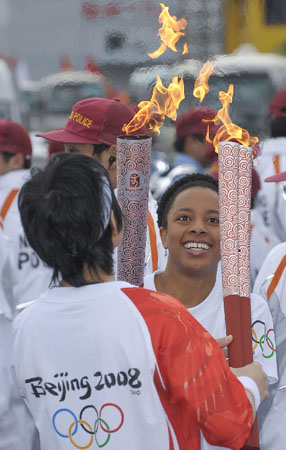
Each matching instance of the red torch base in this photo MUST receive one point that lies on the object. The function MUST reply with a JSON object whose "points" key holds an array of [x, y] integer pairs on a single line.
{"points": [[238, 323]]}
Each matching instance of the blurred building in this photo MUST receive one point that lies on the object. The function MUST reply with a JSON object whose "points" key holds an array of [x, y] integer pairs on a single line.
{"points": [[118, 34], [44, 36]]}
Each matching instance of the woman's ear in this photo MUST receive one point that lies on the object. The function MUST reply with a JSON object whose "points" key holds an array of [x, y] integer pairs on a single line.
{"points": [[164, 239], [117, 234]]}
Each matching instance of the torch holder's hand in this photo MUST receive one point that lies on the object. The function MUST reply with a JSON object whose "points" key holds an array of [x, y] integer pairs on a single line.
{"points": [[257, 374]]}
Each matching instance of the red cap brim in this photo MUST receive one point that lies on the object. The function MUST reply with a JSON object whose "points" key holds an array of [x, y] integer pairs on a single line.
{"points": [[67, 137], [278, 177]]}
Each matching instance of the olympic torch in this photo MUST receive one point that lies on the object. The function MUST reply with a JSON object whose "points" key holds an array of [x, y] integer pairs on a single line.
{"points": [[134, 162], [235, 154], [235, 172], [133, 173]]}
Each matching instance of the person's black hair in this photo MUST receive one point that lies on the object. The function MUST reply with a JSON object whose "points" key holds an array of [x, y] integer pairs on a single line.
{"points": [[98, 149], [180, 141], [278, 126], [65, 211], [7, 156], [185, 182]]}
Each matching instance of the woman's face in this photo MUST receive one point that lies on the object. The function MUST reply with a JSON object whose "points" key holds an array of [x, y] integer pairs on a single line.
{"points": [[192, 233]]}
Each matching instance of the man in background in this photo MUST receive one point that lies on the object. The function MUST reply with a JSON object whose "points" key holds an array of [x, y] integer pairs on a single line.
{"points": [[23, 277], [30, 276]]}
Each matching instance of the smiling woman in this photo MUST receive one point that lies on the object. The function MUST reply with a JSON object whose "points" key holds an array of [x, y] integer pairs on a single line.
{"points": [[191, 231], [188, 217]]}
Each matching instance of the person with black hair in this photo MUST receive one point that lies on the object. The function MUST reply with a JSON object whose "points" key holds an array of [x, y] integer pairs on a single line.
{"points": [[100, 361], [69, 253], [188, 217]]}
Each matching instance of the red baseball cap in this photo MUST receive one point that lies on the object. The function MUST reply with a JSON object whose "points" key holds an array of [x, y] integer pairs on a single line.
{"points": [[278, 177], [191, 121], [278, 104], [14, 138], [94, 120]]}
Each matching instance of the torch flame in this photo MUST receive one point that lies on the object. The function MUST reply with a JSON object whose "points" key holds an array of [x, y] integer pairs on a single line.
{"points": [[229, 131], [170, 32], [201, 87], [164, 103]]}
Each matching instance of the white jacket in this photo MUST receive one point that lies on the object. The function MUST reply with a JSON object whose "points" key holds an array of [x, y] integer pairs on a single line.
{"points": [[273, 413], [30, 276]]}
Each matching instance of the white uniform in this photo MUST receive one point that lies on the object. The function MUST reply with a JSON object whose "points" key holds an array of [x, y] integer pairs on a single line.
{"points": [[162, 256], [269, 198], [115, 365], [30, 276], [7, 310], [210, 314], [15, 421], [262, 240], [273, 411]]}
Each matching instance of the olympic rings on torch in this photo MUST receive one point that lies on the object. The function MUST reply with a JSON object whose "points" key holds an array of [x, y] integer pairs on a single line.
{"points": [[86, 426], [262, 339]]}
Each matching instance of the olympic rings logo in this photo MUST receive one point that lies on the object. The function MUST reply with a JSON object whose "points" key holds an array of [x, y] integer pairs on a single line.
{"points": [[261, 338], [92, 430]]}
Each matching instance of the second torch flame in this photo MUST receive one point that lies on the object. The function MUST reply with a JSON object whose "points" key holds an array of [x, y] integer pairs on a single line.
{"points": [[229, 131], [164, 103]]}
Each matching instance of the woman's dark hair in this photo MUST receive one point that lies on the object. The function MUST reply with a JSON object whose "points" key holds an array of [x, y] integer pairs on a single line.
{"points": [[186, 182], [65, 211]]}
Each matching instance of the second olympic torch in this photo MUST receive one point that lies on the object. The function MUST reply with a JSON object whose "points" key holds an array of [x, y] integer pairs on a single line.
{"points": [[235, 173], [235, 179], [235, 153]]}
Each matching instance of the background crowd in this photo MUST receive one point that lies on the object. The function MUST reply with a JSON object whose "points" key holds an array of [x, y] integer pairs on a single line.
{"points": [[48, 246]]}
